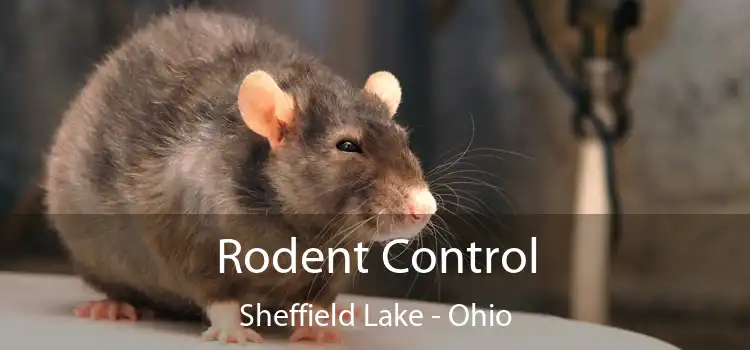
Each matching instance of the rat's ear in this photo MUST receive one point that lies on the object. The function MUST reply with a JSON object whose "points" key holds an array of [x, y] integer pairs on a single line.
{"points": [[264, 107], [386, 87]]}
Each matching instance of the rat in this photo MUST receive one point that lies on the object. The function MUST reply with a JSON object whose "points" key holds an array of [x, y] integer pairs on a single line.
{"points": [[204, 126]]}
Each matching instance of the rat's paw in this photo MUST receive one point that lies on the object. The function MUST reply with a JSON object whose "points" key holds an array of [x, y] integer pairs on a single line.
{"points": [[357, 315], [316, 333], [106, 310], [235, 334]]}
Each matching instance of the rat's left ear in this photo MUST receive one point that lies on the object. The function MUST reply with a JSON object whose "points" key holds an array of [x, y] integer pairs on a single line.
{"points": [[386, 87], [264, 107]]}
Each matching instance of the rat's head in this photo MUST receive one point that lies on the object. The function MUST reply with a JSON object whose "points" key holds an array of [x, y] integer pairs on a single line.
{"points": [[341, 156]]}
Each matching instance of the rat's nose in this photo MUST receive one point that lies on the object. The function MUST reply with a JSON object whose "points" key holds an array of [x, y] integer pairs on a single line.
{"points": [[422, 204]]}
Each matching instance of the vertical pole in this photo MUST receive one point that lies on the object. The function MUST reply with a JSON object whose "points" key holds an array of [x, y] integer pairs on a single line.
{"points": [[589, 298], [590, 265]]}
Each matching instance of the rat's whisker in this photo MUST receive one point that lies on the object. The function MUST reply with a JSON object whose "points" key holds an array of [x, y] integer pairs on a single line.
{"points": [[364, 258], [469, 171], [476, 182], [462, 154], [416, 275], [344, 235], [344, 238], [466, 222], [438, 273], [463, 206], [448, 187]]}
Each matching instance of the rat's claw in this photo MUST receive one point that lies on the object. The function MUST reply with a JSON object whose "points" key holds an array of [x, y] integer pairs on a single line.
{"points": [[106, 309], [128, 311], [322, 333], [318, 334], [238, 334], [357, 314]]}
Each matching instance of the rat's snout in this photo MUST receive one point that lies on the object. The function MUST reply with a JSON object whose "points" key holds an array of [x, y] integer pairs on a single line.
{"points": [[410, 217], [421, 204]]}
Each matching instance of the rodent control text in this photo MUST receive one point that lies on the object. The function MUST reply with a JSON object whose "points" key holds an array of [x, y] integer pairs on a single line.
{"points": [[312, 259]]}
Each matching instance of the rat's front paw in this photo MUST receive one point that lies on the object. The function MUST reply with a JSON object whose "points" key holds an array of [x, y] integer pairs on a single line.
{"points": [[234, 334], [327, 331], [357, 315], [107, 310], [316, 333]]}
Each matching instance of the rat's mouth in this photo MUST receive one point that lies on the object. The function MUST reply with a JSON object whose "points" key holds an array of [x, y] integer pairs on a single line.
{"points": [[404, 218], [390, 227], [383, 228]]}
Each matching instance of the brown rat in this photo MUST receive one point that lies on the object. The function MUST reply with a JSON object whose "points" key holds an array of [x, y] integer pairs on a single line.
{"points": [[216, 116]]}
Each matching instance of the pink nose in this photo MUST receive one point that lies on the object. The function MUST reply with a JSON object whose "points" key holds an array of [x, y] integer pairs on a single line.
{"points": [[422, 204]]}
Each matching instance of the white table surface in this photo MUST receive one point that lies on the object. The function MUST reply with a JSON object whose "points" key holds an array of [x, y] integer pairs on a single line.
{"points": [[36, 313]]}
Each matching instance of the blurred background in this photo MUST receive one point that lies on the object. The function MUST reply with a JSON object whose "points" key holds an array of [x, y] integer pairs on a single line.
{"points": [[471, 74]]}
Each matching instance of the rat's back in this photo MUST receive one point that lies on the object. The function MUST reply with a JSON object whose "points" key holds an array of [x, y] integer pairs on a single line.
{"points": [[124, 138]]}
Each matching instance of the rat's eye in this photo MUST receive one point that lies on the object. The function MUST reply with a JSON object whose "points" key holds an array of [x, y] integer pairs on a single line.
{"points": [[348, 146]]}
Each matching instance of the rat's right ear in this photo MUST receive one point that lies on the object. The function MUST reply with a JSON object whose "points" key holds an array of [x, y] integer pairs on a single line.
{"points": [[385, 86], [264, 107]]}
